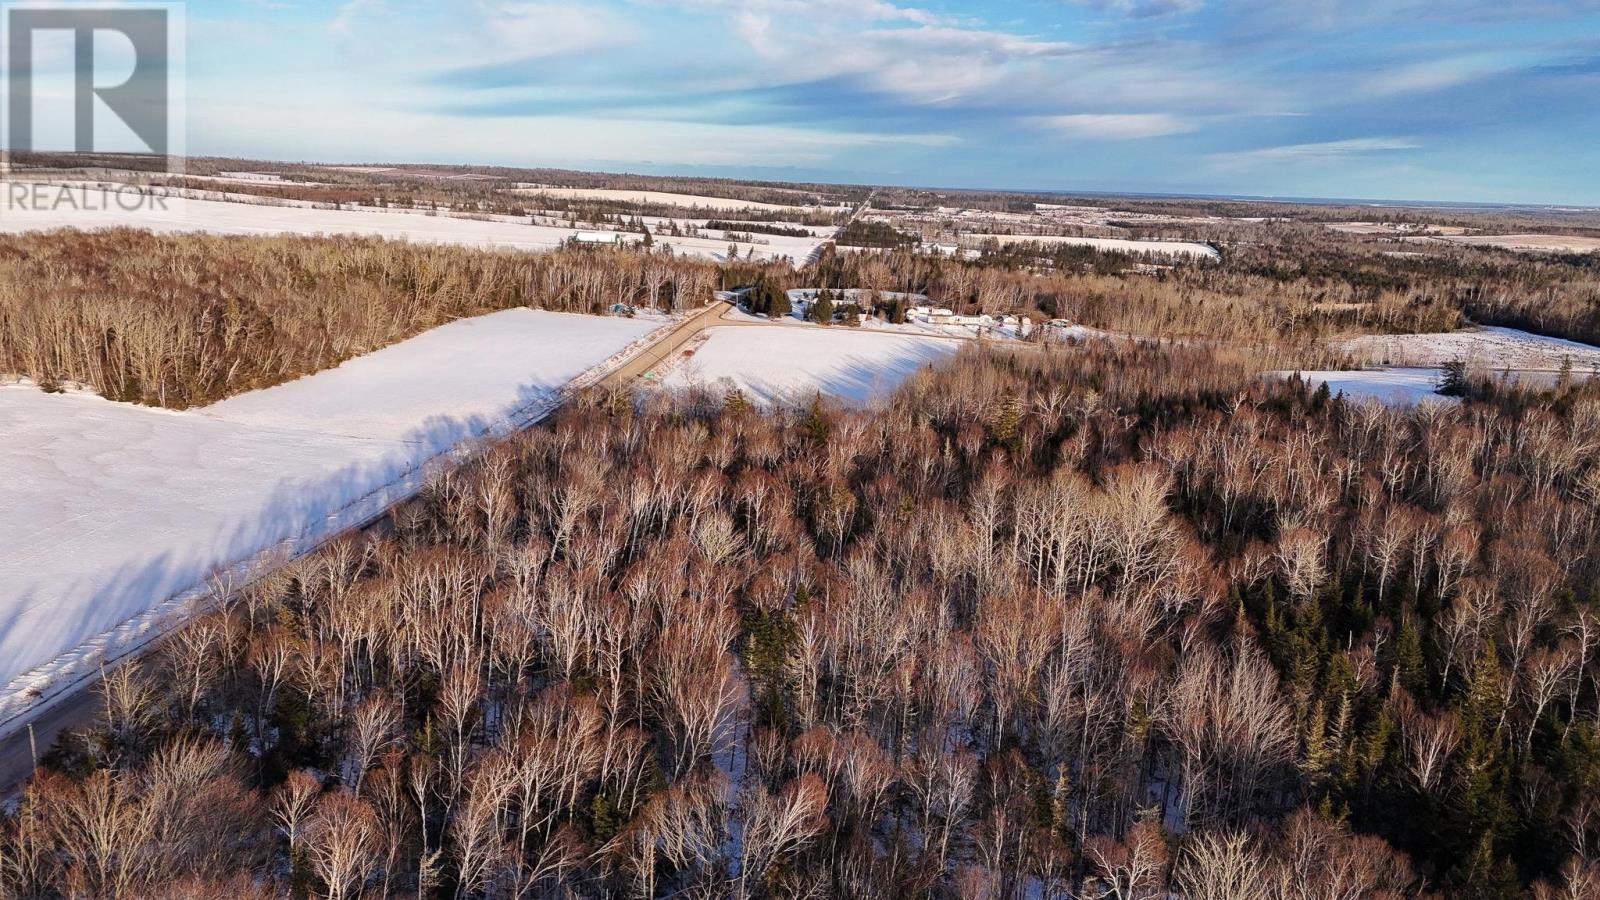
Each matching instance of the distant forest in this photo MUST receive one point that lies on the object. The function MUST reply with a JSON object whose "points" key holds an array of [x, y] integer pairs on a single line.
{"points": [[183, 320]]}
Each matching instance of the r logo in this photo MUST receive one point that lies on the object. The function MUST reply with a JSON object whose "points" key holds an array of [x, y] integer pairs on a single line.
{"points": [[142, 101]]}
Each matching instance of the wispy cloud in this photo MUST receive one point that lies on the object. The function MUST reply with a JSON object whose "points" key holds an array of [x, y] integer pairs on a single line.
{"points": [[1116, 126], [1144, 9], [1321, 151]]}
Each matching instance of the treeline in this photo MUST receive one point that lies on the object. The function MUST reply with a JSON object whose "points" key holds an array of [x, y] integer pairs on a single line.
{"points": [[758, 228], [1071, 258], [881, 235], [1291, 284], [180, 321], [594, 209], [1110, 622]]}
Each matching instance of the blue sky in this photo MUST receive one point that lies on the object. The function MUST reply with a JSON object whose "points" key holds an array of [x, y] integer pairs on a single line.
{"points": [[1440, 100]]}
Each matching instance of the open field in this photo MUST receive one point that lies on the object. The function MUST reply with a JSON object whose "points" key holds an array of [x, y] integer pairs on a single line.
{"points": [[1490, 348], [778, 365], [721, 204], [1533, 243], [252, 217], [118, 508]]}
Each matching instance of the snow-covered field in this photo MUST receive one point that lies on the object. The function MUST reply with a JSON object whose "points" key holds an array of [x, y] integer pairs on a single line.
{"points": [[116, 513], [1123, 245], [96, 208], [1536, 243], [1489, 348], [688, 200], [778, 364], [1391, 387]]}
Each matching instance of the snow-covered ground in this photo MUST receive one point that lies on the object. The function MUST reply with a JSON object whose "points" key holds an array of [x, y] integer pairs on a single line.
{"points": [[1532, 243], [1122, 245], [687, 200], [1489, 348], [1391, 387], [91, 207], [777, 364], [117, 513]]}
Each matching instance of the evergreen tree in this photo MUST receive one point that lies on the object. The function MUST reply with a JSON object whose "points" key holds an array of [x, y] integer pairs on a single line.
{"points": [[1453, 379], [1408, 662], [822, 309]]}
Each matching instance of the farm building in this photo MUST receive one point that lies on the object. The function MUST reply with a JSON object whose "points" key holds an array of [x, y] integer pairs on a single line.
{"points": [[606, 237]]}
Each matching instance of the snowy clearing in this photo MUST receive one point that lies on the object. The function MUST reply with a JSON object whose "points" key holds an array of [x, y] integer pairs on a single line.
{"points": [[776, 365], [1121, 245], [661, 197], [123, 512], [1532, 243], [97, 208], [1488, 348], [1391, 387]]}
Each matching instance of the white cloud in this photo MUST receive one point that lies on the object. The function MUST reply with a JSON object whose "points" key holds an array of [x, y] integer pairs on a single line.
{"points": [[1116, 126], [420, 35], [1440, 74], [351, 132], [1316, 152], [1145, 9]]}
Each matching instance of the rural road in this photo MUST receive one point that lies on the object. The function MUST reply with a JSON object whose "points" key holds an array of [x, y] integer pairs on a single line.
{"points": [[816, 255], [79, 708]]}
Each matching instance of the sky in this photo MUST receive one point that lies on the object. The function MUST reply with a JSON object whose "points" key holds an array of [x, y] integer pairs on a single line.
{"points": [[1446, 100]]}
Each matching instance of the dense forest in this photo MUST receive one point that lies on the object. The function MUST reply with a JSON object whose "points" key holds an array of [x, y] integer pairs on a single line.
{"points": [[1112, 621], [181, 321]]}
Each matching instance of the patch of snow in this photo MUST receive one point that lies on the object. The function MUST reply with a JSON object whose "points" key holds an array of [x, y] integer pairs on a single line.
{"points": [[780, 365], [1391, 387]]}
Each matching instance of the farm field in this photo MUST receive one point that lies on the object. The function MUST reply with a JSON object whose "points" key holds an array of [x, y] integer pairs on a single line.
{"points": [[1534, 243], [119, 507], [662, 197], [1493, 348], [220, 216], [778, 365]]}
